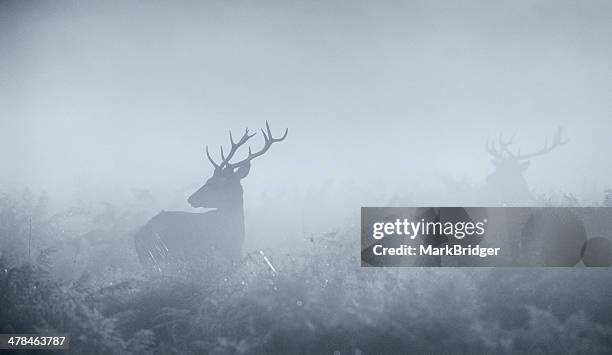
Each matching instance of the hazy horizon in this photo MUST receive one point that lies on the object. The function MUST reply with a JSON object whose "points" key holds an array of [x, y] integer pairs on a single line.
{"points": [[101, 99]]}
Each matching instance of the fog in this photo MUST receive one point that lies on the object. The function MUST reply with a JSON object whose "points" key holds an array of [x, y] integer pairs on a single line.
{"points": [[381, 99], [106, 109]]}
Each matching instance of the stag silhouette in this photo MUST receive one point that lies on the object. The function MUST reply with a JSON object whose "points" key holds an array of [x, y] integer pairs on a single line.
{"points": [[506, 184], [185, 236]]}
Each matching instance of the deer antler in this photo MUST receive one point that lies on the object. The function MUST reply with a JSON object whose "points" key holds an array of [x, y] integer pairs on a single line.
{"points": [[269, 140], [212, 161], [557, 141], [245, 137], [225, 160], [503, 147], [234, 147]]}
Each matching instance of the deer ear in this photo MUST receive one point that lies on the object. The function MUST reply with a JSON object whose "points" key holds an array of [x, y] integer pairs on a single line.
{"points": [[243, 171]]}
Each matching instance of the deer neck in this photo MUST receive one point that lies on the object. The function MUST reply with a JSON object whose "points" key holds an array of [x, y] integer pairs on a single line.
{"points": [[233, 215], [233, 212]]}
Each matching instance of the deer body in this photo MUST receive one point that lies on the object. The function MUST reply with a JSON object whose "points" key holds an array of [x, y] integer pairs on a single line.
{"points": [[183, 236], [506, 184]]}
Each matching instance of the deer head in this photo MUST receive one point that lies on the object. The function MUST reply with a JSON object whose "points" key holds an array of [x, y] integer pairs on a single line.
{"points": [[509, 167], [223, 189]]}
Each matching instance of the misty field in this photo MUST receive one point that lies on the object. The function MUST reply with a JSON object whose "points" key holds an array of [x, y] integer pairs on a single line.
{"points": [[135, 117], [76, 272]]}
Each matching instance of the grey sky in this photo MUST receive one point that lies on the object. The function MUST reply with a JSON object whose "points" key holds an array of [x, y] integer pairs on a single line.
{"points": [[127, 94]]}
